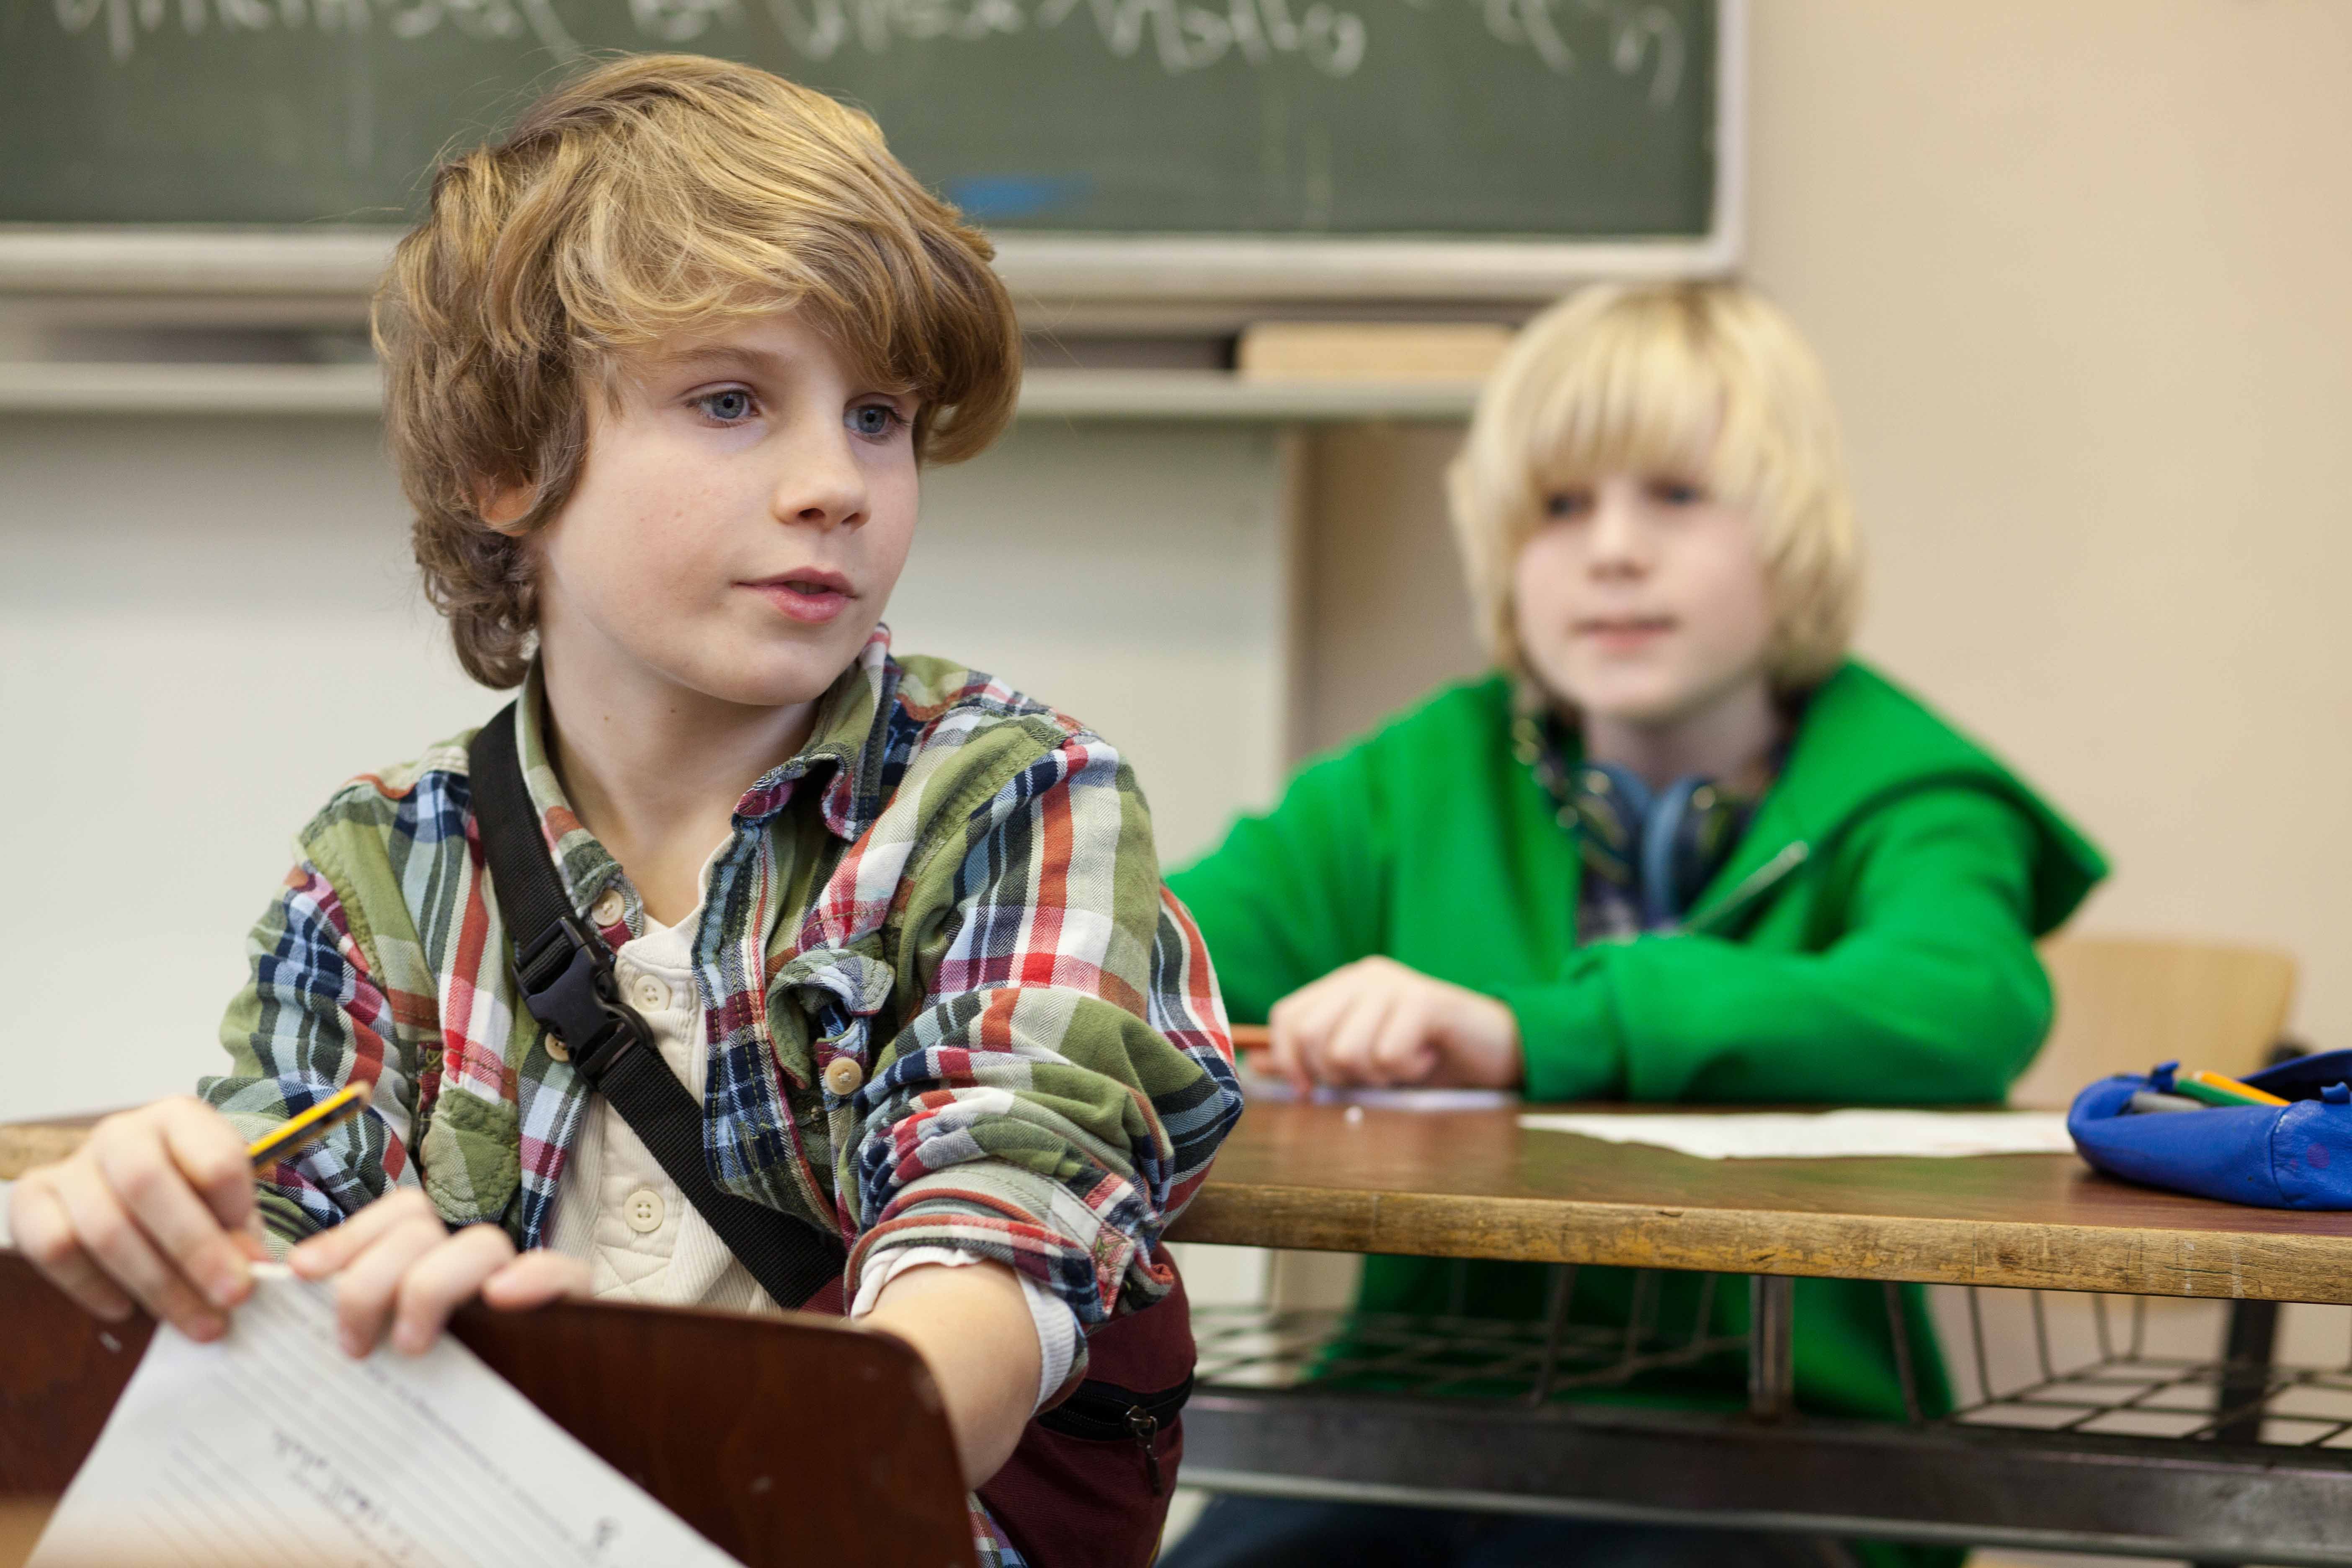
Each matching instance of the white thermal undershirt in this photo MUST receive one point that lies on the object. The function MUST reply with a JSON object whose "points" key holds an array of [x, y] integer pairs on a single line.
{"points": [[640, 1238]]}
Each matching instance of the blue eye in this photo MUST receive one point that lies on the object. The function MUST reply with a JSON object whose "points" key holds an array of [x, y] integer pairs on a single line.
{"points": [[1568, 503], [731, 406], [874, 419], [1677, 492]]}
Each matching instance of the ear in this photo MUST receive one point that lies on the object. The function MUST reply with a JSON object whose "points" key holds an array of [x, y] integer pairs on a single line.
{"points": [[504, 503]]}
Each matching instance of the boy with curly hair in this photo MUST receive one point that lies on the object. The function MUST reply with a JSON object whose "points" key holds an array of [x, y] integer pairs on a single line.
{"points": [[662, 369]]}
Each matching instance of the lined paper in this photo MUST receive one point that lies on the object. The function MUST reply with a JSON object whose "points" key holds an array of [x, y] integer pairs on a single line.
{"points": [[1827, 1134], [271, 1446]]}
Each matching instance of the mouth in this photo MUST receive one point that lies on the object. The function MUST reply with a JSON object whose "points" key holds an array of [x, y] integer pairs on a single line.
{"points": [[1622, 631], [810, 594]]}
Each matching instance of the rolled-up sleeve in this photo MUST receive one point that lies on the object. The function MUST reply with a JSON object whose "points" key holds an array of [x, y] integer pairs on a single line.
{"points": [[1056, 1097]]}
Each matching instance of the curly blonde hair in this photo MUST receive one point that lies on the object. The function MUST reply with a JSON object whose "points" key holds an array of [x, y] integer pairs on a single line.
{"points": [[650, 197], [1703, 380]]}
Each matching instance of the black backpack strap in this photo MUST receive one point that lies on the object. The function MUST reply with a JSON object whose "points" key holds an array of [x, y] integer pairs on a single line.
{"points": [[566, 973]]}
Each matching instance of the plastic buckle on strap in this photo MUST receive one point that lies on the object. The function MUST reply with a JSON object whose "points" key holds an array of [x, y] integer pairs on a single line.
{"points": [[567, 983]]}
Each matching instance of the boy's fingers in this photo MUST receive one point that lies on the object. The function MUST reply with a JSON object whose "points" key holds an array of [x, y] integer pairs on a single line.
{"points": [[42, 1230], [1287, 1059], [368, 1288], [1281, 1059], [1305, 1020], [535, 1278], [112, 1238], [208, 1150], [1313, 1008], [1347, 1051], [139, 1164], [1402, 1052], [440, 1280], [334, 1248]]}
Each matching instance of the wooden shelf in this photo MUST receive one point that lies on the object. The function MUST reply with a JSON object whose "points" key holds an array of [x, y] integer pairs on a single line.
{"points": [[42, 387], [1218, 395], [349, 390]]}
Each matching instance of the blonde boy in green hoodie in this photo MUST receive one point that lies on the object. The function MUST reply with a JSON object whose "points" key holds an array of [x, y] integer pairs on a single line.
{"points": [[1677, 847]]}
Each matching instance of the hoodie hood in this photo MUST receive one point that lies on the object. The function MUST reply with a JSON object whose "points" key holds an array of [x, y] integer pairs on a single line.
{"points": [[1864, 744]]}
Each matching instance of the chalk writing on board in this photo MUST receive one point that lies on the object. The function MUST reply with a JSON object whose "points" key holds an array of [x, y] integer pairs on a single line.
{"points": [[125, 19], [1183, 35]]}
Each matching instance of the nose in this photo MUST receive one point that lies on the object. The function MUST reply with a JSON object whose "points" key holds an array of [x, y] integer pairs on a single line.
{"points": [[820, 482], [1618, 541]]}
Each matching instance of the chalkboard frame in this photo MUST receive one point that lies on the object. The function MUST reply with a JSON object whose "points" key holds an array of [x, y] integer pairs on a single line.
{"points": [[1284, 269]]}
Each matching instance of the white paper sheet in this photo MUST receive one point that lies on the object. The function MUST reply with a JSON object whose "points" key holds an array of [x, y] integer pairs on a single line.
{"points": [[1258, 1086], [1276, 1090], [1828, 1134], [271, 1446]]}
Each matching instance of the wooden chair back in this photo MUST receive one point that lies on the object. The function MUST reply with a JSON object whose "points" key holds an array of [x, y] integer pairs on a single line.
{"points": [[2127, 1003], [791, 1442]]}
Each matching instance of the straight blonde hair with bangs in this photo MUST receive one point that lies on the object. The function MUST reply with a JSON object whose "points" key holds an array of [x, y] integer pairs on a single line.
{"points": [[650, 200], [1705, 382]]}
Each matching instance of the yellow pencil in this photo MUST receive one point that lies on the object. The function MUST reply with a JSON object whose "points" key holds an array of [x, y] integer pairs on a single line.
{"points": [[297, 1132], [2215, 1088]]}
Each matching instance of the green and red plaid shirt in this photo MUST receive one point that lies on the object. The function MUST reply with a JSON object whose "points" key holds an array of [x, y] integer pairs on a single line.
{"points": [[951, 884]]}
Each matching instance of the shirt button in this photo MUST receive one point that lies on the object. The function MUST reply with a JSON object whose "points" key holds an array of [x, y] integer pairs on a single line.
{"points": [[644, 1210], [649, 993], [558, 1049], [842, 1077], [609, 907]]}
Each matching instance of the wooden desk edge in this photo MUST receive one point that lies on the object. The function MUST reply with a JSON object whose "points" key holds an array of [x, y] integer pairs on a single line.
{"points": [[30, 1143], [2230, 1266], [2256, 1266]]}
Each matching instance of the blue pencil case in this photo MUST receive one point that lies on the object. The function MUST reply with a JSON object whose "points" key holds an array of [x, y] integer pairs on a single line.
{"points": [[2293, 1156]]}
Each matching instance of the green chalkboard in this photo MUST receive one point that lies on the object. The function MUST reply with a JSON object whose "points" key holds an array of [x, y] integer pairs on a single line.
{"points": [[1577, 119]]}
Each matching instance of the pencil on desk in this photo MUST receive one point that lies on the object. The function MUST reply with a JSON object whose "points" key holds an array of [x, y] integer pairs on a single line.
{"points": [[297, 1132]]}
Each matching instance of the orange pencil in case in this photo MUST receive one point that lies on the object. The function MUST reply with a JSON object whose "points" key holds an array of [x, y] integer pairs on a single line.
{"points": [[298, 1132], [2215, 1088]]}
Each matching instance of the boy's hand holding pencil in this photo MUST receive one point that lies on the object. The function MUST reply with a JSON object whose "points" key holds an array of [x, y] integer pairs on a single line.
{"points": [[156, 1211]]}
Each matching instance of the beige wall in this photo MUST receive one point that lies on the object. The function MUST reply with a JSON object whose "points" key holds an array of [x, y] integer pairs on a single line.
{"points": [[206, 624], [1383, 614], [2079, 273]]}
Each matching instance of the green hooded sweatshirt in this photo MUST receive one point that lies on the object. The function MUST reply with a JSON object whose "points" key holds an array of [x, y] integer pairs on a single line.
{"points": [[1870, 941]]}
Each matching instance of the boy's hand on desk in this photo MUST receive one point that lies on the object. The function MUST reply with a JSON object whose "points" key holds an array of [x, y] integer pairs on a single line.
{"points": [[398, 1266], [1377, 1022], [154, 1210]]}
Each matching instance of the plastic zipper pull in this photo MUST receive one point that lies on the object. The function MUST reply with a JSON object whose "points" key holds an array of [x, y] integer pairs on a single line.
{"points": [[1146, 1427], [1753, 886]]}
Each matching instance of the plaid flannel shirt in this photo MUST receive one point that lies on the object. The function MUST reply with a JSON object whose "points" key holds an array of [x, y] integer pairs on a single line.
{"points": [[965, 900]]}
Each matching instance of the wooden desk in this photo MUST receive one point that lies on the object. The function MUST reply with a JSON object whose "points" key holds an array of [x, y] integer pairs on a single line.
{"points": [[24, 1144], [1473, 1184]]}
